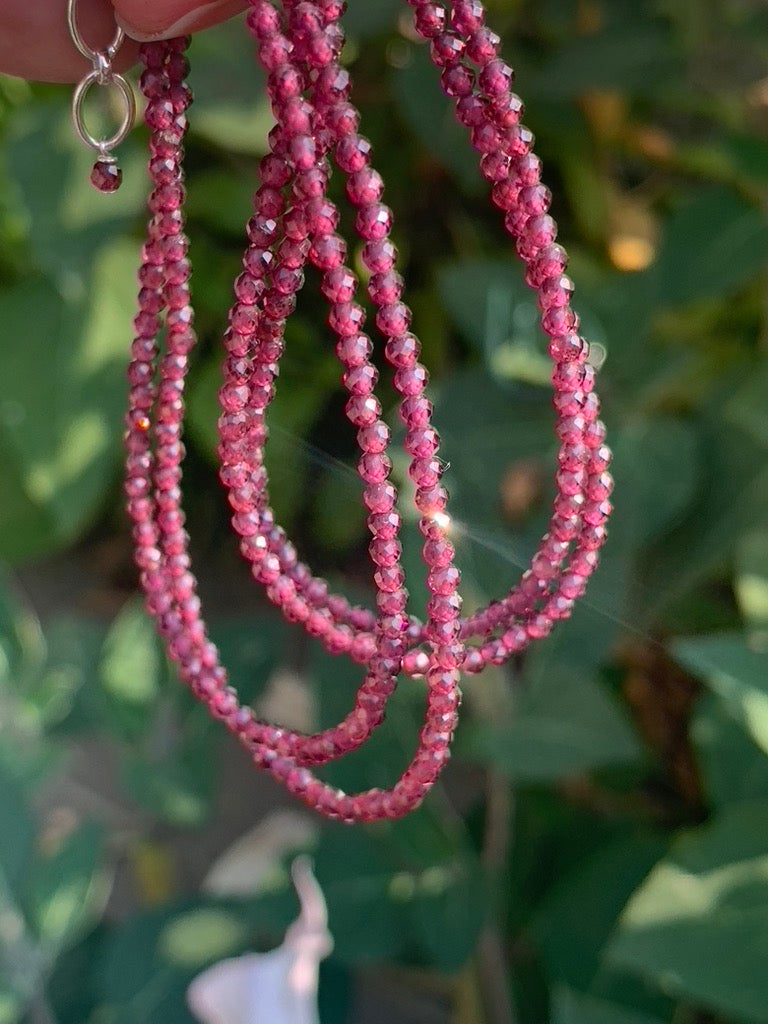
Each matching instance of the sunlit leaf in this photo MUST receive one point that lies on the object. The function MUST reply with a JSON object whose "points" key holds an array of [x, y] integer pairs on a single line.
{"points": [[22, 647], [733, 767], [737, 671], [707, 898], [131, 670], [175, 777], [65, 892], [578, 915], [68, 224], [61, 397], [231, 111], [752, 579], [201, 937]]}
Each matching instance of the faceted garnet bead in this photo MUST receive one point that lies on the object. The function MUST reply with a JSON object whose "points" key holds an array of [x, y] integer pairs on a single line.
{"points": [[106, 176]]}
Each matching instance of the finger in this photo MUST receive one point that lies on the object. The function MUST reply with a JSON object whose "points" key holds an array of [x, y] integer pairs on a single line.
{"points": [[163, 19], [35, 42]]}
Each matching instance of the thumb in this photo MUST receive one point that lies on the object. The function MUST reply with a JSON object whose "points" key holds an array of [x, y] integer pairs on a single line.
{"points": [[163, 19]]}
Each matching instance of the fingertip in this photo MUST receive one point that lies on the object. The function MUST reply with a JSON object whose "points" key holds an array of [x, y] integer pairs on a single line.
{"points": [[145, 22]]}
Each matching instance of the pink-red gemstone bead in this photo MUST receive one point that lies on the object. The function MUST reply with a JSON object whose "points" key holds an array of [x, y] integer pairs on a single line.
{"points": [[106, 176]]}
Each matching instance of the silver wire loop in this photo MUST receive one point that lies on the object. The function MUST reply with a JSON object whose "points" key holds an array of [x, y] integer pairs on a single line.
{"points": [[103, 75], [88, 52], [103, 146]]}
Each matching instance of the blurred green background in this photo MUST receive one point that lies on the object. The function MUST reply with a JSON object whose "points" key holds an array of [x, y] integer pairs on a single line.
{"points": [[598, 853]]}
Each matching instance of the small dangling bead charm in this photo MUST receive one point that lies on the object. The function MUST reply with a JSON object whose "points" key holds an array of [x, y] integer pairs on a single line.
{"points": [[106, 176]]}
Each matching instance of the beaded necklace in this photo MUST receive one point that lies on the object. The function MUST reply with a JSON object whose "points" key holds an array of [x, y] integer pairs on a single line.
{"points": [[295, 223]]}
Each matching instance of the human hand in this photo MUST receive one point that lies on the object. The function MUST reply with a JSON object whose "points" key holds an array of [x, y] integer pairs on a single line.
{"points": [[35, 43]]}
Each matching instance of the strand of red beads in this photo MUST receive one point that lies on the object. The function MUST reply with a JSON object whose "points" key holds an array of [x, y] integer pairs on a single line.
{"points": [[295, 222], [308, 226], [156, 411], [486, 104], [574, 382]]}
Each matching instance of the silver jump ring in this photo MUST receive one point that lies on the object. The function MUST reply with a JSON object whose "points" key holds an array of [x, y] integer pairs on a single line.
{"points": [[103, 146], [88, 52]]}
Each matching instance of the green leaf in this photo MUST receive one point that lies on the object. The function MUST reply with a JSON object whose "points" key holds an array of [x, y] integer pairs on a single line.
{"points": [[570, 1007], [299, 399], [30, 692], [67, 225], [392, 896], [168, 740], [11, 1006], [200, 937], [22, 648], [751, 583], [131, 975], [132, 669], [65, 893], [743, 404], [563, 725], [251, 647], [492, 307], [366, 20], [585, 183], [61, 404], [656, 466], [730, 501], [178, 786], [412, 889], [367, 901], [491, 430], [712, 245], [336, 993], [624, 57], [579, 912], [699, 924], [337, 522], [71, 671], [737, 671], [488, 301], [453, 890], [733, 767], [70, 988], [217, 200], [17, 832], [147, 962], [232, 111]]}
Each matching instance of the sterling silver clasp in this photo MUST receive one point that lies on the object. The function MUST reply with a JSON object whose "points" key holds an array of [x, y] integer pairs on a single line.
{"points": [[106, 175]]}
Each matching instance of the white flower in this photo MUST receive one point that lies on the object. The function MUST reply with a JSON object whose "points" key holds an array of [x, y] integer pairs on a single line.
{"points": [[279, 987]]}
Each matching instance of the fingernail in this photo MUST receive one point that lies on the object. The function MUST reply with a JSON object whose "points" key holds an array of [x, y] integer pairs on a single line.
{"points": [[190, 22]]}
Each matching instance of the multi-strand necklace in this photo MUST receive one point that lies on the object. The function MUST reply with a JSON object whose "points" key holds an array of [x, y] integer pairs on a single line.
{"points": [[295, 223]]}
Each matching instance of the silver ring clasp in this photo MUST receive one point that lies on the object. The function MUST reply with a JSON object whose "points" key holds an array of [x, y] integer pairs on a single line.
{"points": [[103, 146], [106, 176]]}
